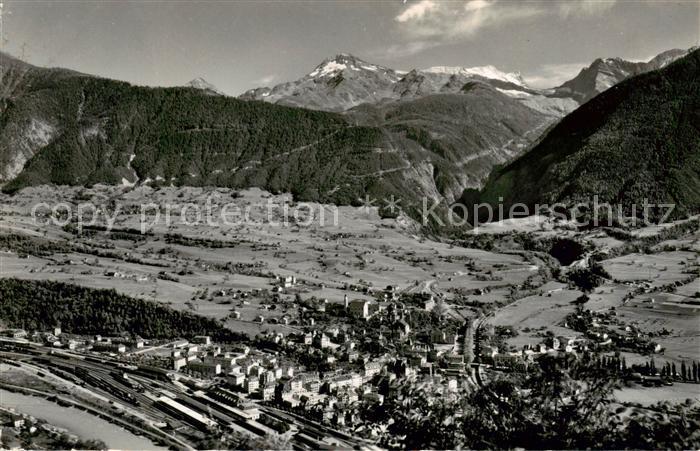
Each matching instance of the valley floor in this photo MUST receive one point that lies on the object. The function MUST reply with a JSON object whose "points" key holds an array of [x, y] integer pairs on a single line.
{"points": [[251, 274]]}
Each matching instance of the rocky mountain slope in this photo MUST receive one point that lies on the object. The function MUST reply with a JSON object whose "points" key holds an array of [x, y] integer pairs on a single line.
{"points": [[63, 127], [29, 124], [345, 81], [638, 140], [605, 73], [470, 132], [429, 133], [336, 84]]}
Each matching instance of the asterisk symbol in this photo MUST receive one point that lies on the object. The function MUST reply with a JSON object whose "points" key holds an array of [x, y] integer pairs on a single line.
{"points": [[367, 204], [393, 203]]}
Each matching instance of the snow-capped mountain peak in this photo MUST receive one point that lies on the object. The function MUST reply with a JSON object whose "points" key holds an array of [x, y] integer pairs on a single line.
{"points": [[202, 84], [328, 68], [345, 81], [490, 72], [345, 62]]}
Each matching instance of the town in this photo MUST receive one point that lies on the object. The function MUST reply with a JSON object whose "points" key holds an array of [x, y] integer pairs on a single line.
{"points": [[258, 336], [306, 389]]}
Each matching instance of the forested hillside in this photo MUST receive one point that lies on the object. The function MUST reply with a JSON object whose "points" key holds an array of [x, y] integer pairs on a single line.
{"points": [[42, 305], [64, 127], [467, 133], [108, 131], [638, 140], [77, 129]]}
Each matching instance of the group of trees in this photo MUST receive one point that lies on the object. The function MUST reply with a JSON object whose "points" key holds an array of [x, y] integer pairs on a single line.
{"points": [[41, 305], [645, 243], [26, 245], [28, 439], [559, 406], [588, 278], [688, 372]]}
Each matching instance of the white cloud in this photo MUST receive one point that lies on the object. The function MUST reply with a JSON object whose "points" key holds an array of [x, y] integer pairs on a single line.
{"points": [[448, 21], [264, 81], [491, 16], [551, 75], [475, 5], [416, 11], [585, 7], [425, 24], [451, 20]]}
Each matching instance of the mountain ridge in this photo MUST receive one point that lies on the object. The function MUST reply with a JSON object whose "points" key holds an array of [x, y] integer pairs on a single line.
{"points": [[442, 134], [345, 81], [76, 129], [603, 73], [638, 141], [490, 72]]}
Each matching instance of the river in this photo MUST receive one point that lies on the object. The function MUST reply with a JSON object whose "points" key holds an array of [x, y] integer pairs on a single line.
{"points": [[76, 421]]}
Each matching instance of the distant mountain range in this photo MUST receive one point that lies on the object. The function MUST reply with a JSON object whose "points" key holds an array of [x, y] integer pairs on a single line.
{"points": [[376, 131], [637, 141], [336, 84], [345, 81]]}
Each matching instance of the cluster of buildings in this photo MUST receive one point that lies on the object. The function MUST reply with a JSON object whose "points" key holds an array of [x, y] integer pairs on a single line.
{"points": [[55, 338], [276, 367], [25, 431], [522, 359], [604, 331]]}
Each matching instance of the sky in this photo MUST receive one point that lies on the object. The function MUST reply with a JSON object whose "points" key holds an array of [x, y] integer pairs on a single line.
{"points": [[237, 45]]}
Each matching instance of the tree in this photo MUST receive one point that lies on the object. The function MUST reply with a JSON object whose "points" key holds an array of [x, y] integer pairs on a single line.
{"points": [[268, 442], [586, 279], [440, 309], [562, 405], [581, 300], [416, 415]]}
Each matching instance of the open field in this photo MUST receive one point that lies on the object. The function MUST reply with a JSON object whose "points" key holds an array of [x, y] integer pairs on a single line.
{"points": [[608, 295], [532, 315], [681, 343], [216, 270], [690, 289], [658, 269], [677, 393], [231, 271]]}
